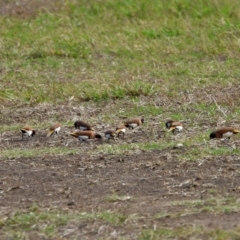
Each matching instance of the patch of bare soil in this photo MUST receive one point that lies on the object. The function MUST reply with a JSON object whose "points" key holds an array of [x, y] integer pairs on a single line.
{"points": [[215, 94]]}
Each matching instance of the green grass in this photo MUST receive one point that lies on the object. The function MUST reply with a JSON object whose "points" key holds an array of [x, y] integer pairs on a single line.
{"points": [[115, 198], [199, 153], [48, 222], [5, 128], [211, 205], [132, 148], [43, 125], [190, 232], [35, 152], [120, 47], [216, 206]]}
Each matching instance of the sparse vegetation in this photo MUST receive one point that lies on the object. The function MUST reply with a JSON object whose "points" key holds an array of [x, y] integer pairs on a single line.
{"points": [[166, 233], [36, 152], [47, 223]]}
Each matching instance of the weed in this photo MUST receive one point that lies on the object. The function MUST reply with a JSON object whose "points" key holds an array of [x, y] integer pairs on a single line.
{"points": [[115, 197]]}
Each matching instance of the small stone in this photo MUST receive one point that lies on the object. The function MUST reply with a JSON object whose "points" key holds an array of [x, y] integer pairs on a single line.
{"points": [[71, 203]]}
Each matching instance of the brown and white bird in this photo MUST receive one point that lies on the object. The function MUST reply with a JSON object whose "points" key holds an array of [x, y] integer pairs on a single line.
{"points": [[83, 126], [110, 134], [174, 126], [85, 135], [133, 123], [55, 128], [121, 129], [224, 133], [27, 131]]}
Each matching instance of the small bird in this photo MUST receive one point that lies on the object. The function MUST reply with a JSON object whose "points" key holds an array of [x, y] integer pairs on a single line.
{"points": [[85, 135], [133, 123], [55, 128], [110, 134], [120, 129], [27, 131], [224, 133], [83, 126], [174, 126]]}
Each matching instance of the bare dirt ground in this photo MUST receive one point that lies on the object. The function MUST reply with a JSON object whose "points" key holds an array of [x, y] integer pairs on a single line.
{"points": [[151, 183]]}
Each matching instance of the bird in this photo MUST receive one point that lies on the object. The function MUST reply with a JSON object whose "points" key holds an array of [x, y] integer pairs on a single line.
{"points": [[120, 129], [133, 123], [85, 135], [83, 126], [55, 128], [27, 131], [174, 126], [223, 133], [109, 134]]}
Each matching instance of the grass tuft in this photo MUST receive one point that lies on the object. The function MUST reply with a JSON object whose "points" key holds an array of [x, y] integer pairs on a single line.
{"points": [[47, 222]]}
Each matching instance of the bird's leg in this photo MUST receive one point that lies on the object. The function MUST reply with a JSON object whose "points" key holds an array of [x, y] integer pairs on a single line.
{"points": [[120, 134], [56, 134], [226, 140]]}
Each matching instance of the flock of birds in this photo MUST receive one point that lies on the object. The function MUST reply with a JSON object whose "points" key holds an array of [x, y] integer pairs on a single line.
{"points": [[84, 131]]}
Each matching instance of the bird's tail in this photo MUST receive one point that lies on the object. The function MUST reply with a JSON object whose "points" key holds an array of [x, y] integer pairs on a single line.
{"points": [[50, 133], [118, 130], [236, 131], [73, 134], [171, 129]]}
